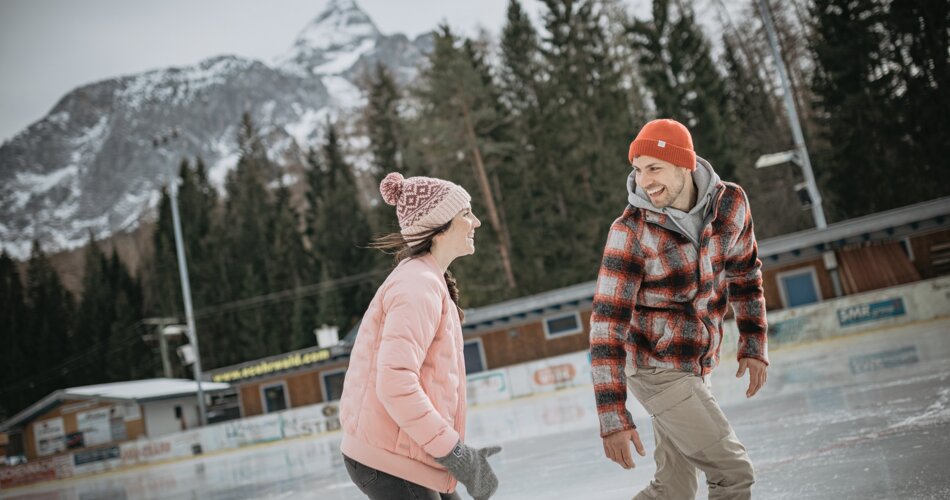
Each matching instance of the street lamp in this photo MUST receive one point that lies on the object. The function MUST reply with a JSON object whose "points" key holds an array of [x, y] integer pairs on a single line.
{"points": [[166, 329]]}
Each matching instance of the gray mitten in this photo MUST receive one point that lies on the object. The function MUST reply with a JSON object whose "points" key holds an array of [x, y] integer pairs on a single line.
{"points": [[470, 466]]}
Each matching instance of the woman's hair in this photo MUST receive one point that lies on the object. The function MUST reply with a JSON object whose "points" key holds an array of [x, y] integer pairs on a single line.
{"points": [[398, 245]]}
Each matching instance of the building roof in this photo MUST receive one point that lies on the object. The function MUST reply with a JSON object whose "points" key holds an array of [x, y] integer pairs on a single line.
{"points": [[138, 391], [900, 222]]}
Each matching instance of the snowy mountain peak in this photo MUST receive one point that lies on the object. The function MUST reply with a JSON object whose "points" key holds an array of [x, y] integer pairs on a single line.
{"points": [[96, 162], [342, 23]]}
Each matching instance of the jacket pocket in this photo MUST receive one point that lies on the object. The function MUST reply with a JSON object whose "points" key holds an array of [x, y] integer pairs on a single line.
{"points": [[406, 447], [671, 326]]}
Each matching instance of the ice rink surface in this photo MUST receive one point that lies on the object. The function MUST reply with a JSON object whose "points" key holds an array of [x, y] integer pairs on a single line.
{"points": [[862, 417]]}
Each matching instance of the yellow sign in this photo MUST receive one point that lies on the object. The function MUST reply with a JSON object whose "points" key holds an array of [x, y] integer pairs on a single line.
{"points": [[267, 367]]}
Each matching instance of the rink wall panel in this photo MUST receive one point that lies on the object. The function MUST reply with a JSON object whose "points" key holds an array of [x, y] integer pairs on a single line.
{"points": [[839, 318]]}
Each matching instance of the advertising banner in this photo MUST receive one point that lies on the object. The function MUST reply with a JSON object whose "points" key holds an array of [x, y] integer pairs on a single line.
{"points": [[95, 426], [44, 469], [50, 436], [872, 311], [486, 387], [252, 430], [96, 460], [304, 421]]}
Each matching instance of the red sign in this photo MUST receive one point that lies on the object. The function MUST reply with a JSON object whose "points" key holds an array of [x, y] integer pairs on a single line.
{"points": [[556, 374]]}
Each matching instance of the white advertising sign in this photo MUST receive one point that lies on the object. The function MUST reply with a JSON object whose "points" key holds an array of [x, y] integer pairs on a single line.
{"points": [[50, 436], [95, 427]]}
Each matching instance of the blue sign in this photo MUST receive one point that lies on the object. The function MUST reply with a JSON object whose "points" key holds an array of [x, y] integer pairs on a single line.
{"points": [[872, 311]]}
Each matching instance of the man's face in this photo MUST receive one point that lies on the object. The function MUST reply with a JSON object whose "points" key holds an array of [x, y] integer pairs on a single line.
{"points": [[662, 181]]}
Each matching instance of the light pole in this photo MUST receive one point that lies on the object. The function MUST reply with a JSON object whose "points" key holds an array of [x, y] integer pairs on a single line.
{"points": [[186, 294], [191, 331], [799, 155]]}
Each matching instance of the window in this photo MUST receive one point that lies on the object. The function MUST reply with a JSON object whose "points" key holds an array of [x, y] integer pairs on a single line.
{"points": [[799, 287], [474, 356], [274, 397], [562, 325], [331, 381]]}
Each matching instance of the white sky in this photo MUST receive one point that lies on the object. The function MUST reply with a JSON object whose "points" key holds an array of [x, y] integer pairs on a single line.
{"points": [[49, 47]]}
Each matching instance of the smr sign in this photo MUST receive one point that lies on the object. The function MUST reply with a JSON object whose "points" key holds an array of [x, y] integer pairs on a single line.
{"points": [[872, 311]]}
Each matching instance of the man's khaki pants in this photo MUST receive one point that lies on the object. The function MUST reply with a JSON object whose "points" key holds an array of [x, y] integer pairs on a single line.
{"points": [[691, 433]]}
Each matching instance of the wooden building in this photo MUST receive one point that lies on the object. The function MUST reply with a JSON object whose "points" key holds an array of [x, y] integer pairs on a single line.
{"points": [[105, 415], [877, 251], [298, 378]]}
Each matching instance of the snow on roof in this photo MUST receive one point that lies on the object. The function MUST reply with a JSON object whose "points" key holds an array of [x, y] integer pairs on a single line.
{"points": [[135, 390], [145, 389]]}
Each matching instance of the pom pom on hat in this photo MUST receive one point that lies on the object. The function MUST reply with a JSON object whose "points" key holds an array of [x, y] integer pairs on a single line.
{"points": [[391, 188]]}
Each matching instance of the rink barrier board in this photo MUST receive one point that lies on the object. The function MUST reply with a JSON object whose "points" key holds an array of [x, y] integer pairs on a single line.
{"points": [[834, 318]]}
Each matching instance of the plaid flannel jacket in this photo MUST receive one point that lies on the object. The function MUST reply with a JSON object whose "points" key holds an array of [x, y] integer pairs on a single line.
{"points": [[661, 300]]}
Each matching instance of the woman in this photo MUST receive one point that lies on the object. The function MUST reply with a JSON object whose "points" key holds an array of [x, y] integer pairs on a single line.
{"points": [[403, 405]]}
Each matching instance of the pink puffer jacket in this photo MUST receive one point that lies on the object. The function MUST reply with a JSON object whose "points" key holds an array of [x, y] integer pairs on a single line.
{"points": [[404, 394]]}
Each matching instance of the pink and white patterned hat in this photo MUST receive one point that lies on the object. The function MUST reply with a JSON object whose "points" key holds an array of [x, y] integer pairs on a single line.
{"points": [[422, 203]]}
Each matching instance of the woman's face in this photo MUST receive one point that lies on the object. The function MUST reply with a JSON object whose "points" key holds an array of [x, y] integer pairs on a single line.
{"points": [[459, 238]]}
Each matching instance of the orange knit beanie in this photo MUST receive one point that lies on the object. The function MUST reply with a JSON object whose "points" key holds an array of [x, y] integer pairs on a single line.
{"points": [[667, 140]]}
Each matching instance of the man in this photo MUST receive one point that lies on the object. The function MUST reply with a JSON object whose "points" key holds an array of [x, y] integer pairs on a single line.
{"points": [[682, 249]]}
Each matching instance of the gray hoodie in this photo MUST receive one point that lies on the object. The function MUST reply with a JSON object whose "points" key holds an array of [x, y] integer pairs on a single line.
{"points": [[689, 224]]}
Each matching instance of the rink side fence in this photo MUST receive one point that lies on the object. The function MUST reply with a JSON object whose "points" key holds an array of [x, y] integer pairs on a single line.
{"points": [[920, 301]]}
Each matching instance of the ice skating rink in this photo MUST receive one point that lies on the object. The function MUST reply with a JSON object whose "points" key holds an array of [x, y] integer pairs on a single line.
{"points": [[863, 417]]}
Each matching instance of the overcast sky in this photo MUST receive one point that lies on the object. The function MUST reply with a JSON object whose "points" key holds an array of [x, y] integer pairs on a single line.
{"points": [[49, 47]]}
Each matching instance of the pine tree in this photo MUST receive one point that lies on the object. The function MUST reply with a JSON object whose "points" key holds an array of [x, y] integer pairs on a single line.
{"points": [[856, 90], [13, 317], [685, 84], [340, 248], [94, 316], [245, 235], [520, 72], [453, 132], [581, 154], [388, 137], [383, 122], [292, 272], [764, 130], [50, 308]]}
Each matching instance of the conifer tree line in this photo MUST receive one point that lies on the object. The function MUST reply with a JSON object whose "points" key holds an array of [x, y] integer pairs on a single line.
{"points": [[535, 124]]}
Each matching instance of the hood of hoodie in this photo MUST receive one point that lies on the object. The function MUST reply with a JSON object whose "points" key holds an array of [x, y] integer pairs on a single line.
{"points": [[704, 177]]}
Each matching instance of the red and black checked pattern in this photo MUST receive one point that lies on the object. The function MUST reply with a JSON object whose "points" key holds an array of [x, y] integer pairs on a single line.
{"points": [[661, 301]]}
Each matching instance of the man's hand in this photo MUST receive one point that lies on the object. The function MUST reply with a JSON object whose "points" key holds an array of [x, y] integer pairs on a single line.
{"points": [[617, 447], [757, 374]]}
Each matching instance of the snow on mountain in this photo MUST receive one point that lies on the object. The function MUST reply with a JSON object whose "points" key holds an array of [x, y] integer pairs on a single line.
{"points": [[96, 162]]}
